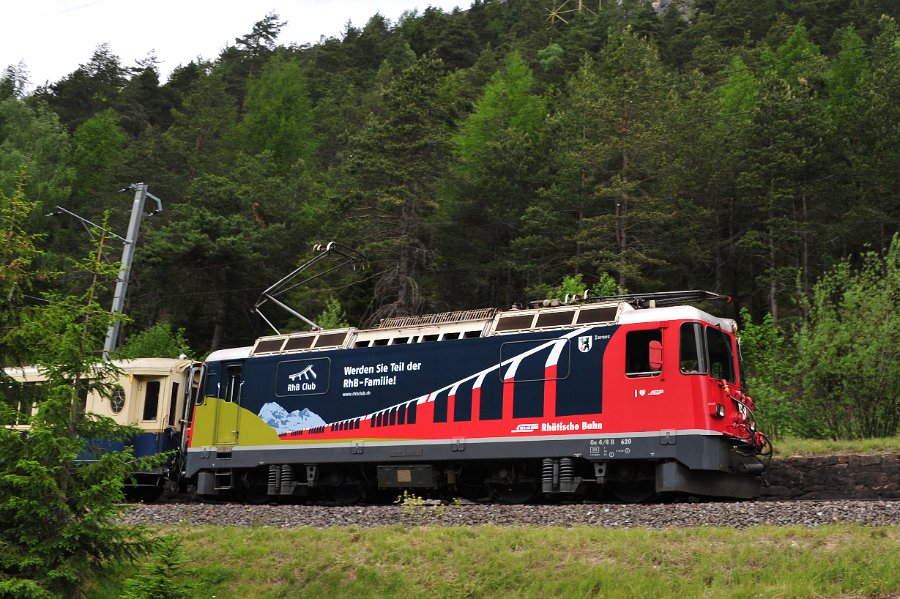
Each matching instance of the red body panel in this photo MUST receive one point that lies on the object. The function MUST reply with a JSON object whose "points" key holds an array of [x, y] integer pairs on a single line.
{"points": [[668, 401]]}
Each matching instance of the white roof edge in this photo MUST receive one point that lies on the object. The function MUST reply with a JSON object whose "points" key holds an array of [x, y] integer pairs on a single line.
{"points": [[673, 313], [154, 363], [137, 364], [232, 353]]}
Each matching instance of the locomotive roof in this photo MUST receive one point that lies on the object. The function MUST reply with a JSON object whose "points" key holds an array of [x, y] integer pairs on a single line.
{"points": [[135, 366], [471, 323], [675, 313]]}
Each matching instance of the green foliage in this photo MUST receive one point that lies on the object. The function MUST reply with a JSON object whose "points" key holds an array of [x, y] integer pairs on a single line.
{"points": [[18, 249], [739, 92], [803, 446], [416, 508], [849, 349], [507, 103], [58, 511], [19, 271], [33, 145], [839, 560], [606, 285], [93, 87], [98, 147], [159, 341], [769, 370], [494, 179], [573, 287], [58, 518], [163, 577], [394, 164], [333, 316], [737, 147], [278, 115]]}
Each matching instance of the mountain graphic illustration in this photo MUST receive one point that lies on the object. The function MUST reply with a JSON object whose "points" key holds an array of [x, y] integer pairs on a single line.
{"points": [[284, 422]]}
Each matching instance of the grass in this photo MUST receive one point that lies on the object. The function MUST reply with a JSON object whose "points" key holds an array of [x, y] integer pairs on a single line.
{"points": [[487, 561], [795, 446], [484, 561]]}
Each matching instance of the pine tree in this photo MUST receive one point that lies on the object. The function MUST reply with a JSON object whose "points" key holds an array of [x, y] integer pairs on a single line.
{"points": [[494, 180], [58, 514], [611, 135], [393, 166]]}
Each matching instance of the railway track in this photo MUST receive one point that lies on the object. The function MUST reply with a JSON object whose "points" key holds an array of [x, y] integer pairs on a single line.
{"points": [[612, 515]]}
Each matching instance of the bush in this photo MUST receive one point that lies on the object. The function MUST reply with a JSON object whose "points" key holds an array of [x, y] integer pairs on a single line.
{"points": [[159, 341], [849, 350], [769, 364]]}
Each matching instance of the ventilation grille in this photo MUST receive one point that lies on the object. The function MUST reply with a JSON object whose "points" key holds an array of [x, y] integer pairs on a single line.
{"points": [[397, 322]]}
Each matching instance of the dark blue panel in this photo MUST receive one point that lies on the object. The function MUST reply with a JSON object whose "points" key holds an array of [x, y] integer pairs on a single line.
{"points": [[581, 391], [440, 407], [462, 404], [528, 398], [491, 398], [146, 444], [528, 401], [369, 380]]}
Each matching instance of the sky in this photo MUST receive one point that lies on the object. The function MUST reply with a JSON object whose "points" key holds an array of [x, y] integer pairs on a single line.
{"points": [[53, 37]]}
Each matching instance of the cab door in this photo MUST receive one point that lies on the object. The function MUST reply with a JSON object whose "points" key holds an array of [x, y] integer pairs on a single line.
{"points": [[228, 409], [722, 372]]}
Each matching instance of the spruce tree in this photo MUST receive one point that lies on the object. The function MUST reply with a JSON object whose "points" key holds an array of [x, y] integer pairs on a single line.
{"points": [[58, 510]]}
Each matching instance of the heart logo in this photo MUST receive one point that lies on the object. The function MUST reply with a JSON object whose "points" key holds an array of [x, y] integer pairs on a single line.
{"points": [[642, 392]]}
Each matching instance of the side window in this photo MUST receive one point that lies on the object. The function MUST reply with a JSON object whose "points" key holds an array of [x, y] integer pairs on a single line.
{"points": [[693, 352], [233, 384], [721, 359], [25, 396], [151, 400], [642, 349], [212, 383], [173, 404], [117, 399]]}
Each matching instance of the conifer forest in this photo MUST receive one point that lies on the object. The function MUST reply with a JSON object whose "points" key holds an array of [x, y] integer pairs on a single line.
{"points": [[483, 158]]}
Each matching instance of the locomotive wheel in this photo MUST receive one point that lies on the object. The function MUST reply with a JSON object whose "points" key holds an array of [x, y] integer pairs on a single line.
{"points": [[637, 491], [252, 488], [513, 485], [516, 493], [633, 484], [343, 487]]}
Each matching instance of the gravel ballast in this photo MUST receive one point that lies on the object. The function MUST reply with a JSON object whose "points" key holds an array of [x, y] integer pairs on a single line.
{"points": [[655, 516]]}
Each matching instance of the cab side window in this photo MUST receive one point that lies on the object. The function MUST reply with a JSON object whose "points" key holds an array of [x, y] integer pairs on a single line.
{"points": [[721, 357], [642, 351], [693, 349]]}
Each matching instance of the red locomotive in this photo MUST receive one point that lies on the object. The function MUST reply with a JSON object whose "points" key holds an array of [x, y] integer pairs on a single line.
{"points": [[632, 396]]}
